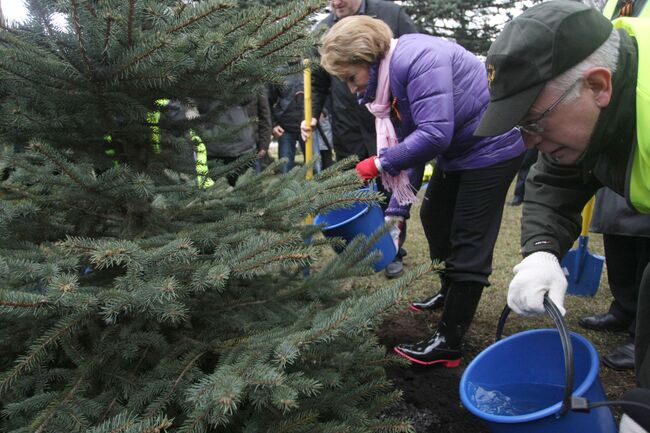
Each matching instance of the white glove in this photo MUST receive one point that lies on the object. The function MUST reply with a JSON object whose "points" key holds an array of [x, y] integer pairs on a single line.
{"points": [[628, 425], [536, 275], [394, 223]]}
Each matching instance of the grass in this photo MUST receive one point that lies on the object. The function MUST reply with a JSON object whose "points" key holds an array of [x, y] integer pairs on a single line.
{"points": [[506, 256]]}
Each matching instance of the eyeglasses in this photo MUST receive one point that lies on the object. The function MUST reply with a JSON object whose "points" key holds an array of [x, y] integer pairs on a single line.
{"points": [[532, 127]]}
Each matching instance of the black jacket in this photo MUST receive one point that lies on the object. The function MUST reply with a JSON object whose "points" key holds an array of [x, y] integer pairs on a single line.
{"points": [[287, 103], [353, 127]]}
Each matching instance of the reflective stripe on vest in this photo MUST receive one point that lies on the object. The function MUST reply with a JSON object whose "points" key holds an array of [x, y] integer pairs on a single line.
{"points": [[201, 152], [202, 180], [639, 177], [153, 118]]}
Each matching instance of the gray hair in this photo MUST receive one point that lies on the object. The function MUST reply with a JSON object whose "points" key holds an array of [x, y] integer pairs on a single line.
{"points": [[605, 56]]}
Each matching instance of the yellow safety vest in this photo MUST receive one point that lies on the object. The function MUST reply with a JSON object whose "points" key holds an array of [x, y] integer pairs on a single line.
{"points": [[153, 119], [639, 177]]}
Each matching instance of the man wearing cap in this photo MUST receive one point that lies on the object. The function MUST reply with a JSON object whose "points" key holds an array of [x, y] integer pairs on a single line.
{"points": [[578, 89]]}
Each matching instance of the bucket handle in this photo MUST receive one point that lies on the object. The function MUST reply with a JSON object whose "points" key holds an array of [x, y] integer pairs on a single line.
{"points": [[567, 348]]}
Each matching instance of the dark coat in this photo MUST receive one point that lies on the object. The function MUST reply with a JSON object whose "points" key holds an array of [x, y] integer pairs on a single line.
{"points": [[613, 216], [287, 103], [251, 124], [353, 127]]}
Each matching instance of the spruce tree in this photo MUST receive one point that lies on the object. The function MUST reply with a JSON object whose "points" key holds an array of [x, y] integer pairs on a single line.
{"points": [[471, 23], [134, 298]]}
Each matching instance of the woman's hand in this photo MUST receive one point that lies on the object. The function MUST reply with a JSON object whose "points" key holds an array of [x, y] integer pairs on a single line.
{"points": [[369, 168], [277, 131], [306, 130]]}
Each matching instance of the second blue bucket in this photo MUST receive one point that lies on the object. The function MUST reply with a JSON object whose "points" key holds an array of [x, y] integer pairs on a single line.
{"points": [[359, 219], [524, 382]]}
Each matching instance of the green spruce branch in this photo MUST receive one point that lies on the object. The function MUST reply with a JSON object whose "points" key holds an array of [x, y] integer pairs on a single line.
{"points": [[39, 349], [78, 33]]}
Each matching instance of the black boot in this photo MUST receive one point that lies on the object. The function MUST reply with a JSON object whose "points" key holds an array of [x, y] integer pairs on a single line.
{"points": [[435, 302], [444, 347]]}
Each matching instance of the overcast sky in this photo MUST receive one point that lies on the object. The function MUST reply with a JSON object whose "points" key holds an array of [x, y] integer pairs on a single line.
{"points": [[13, 10]]}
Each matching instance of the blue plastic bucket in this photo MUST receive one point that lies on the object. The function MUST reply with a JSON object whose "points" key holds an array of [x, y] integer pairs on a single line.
{"points": [[524, 382], [359, 219]]}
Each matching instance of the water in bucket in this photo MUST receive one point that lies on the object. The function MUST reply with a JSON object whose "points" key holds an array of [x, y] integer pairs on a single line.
{"points": [[517, 384], [515, 398]]}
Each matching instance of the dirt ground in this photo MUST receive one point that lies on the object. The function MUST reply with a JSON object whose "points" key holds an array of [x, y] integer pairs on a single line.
{"points": [[431, 396], [431, 399]]}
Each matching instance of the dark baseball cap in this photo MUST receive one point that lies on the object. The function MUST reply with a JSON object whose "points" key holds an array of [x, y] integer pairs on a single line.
{"points": [[540, 44]]}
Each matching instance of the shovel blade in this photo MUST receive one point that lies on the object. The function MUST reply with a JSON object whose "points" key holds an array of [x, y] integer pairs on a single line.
{"points": [[582, 270]]}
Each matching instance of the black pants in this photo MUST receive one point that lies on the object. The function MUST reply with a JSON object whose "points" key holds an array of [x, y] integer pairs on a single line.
{"points": [[530, 157], [642, 337], [461, 216], [326, 158], [627, 257], [232, 176]]}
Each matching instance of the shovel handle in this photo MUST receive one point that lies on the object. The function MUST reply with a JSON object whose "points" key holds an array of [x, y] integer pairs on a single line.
{"points": [[587, 212], [308, 114]]}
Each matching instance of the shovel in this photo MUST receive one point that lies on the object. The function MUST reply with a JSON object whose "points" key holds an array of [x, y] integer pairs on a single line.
{"points": [[582, 268]]}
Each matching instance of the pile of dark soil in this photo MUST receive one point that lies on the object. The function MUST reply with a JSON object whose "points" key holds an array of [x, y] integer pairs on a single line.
{"points": [[431, 398]]}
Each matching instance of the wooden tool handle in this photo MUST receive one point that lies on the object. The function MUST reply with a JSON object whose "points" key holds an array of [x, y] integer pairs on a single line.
{"points": [[586, 215]]}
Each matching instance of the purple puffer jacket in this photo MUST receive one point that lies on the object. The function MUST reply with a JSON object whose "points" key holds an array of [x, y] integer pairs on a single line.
{"points": [[441, 91]]}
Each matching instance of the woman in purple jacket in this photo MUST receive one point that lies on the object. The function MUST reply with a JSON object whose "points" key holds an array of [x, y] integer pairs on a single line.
{"points": [[428, 96]]}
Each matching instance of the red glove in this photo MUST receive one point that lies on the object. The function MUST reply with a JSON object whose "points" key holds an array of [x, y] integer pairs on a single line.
{"points": [[367, 169]]}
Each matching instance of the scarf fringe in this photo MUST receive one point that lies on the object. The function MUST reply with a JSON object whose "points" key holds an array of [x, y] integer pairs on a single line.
{"points": [[401, 188]]}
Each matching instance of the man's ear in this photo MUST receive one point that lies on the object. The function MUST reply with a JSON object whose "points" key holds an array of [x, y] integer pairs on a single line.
{"points": [[599, 82]]}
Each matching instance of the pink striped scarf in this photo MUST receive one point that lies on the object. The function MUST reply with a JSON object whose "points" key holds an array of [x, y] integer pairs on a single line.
{"points": [[399, 185]]}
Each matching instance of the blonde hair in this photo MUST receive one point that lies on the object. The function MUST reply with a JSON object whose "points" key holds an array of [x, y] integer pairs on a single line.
{"points": [[356, 40]]}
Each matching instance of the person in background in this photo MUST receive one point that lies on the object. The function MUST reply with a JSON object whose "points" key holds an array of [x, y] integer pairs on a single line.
{"points": [[287, 112], [598, 4], [520, 184], [250, 124], [626, 238], [578, 88], [353, 127], [324, 129], [428, 95]]}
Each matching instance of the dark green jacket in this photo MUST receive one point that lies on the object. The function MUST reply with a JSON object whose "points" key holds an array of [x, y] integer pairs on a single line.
{"points": [[556, 194]]}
